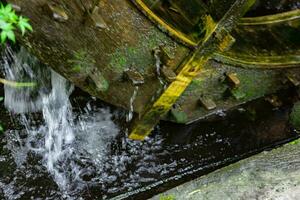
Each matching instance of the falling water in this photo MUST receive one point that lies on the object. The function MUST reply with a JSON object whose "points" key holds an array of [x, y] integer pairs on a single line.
{"points": [[24, 68], [131, 108], [56, 139], [54, 105], [158, 64], [57, 113], [77, 149]]}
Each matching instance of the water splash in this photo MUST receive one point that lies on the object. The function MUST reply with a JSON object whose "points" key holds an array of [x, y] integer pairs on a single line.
{"points": [[56, 139], [73, 150], [24, 68], [57, 113]]}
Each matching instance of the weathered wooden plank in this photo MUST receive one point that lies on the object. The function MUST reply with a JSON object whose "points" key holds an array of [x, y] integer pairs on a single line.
{"points": [[96, 43], [270, 41], [216, 39]]}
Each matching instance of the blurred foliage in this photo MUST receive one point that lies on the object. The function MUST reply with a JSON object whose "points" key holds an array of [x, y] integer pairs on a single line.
{"points": [[10, 21]]}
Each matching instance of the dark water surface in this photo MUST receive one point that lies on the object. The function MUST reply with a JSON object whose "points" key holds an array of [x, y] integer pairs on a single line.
{"points": [[76, 147], [137, 170]]}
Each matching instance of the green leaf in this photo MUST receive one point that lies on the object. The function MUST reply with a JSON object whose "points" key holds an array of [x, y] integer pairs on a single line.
{"points": [[2, 23], [22, 28], [11, 36], [7, 34], [2, 11], [9, 21], [8, 14], [8, 8], [1, 99], [3, 36], [5, 26], [11, 17], [23, 25], [28, 27]]}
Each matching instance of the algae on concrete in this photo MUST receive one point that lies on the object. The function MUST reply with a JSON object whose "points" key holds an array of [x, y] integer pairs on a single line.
{"points": [[295, 116]]}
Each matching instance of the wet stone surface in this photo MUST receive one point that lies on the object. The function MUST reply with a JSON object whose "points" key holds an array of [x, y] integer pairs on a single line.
{"points": [[269, 175]]}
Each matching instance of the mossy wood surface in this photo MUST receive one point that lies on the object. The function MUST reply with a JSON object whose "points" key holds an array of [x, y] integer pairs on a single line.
{"points": [[94, 58], [92, 43]]}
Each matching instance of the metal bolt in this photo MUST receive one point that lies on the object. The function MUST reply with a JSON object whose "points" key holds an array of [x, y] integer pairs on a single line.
{"points": [[169, 74], [56, 12], [293, 79], [207, 103], [233, 80], [134, 76], [97, 19]]}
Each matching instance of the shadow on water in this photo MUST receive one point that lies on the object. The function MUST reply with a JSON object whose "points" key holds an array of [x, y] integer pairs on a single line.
{"points": [[102, 163]]}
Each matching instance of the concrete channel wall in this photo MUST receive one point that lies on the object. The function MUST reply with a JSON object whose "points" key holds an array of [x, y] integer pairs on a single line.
{"points": [[269, 175]]}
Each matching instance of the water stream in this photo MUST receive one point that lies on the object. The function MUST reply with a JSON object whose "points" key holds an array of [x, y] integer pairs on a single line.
{"points": [[54, 138], [61, 143], [131, 101], [158, 65]]}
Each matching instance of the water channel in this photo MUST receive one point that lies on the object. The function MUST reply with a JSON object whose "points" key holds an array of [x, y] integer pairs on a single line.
{"points": [[61, 143]]}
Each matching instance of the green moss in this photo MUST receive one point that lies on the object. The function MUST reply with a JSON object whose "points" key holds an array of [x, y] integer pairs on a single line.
{"points": [[139, 55], [179, 116], [254, 84], [295, 142], [82, 61], [295, 116], [103, 84], [167, 197], [238, 94], [76, 68], [196, 83], [118, 61]]}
